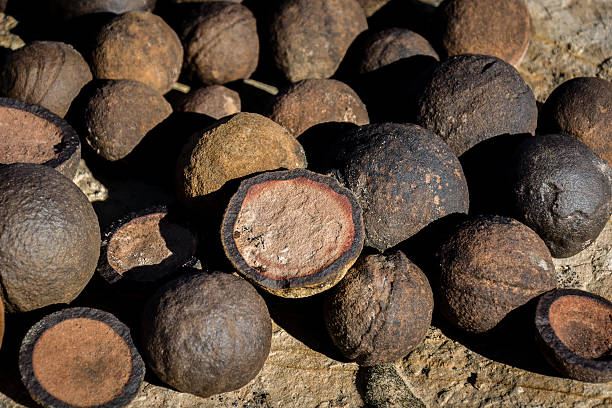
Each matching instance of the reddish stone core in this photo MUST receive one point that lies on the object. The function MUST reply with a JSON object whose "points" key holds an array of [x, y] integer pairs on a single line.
{"points": [[26, 138], [152, 244], [293, 228], [583, 324], [82, 362]]}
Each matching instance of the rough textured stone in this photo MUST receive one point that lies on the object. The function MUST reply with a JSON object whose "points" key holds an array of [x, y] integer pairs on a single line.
{"points": [[46, 73], [471, 98], [310, 38], [221, 42], [498, 28], [313, 101], [235, 147], [571, 38], [390, 45], [138, 45]]}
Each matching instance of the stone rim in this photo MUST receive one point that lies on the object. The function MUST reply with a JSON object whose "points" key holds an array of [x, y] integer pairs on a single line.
{"points": [[36, 390], [312, 282], [560, 355], [67, 159]]}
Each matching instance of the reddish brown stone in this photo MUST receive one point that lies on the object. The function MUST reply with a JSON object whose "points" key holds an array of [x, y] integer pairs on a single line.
{"points": [[120, 114], [221, 42], [582, 107], [498, 28], [313, 101], [381, 310], [138, 45], [490, 266]]}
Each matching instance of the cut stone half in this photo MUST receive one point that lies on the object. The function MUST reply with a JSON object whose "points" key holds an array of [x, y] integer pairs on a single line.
{"points": [[32, 134], [295, 233], [146, 246], [80, 357], [574, 330]]}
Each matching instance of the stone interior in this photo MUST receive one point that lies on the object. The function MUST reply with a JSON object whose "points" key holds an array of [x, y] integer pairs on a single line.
{"points": [[149, 247], [82, 362], [27, 138], [292, 228], [584, 325]]}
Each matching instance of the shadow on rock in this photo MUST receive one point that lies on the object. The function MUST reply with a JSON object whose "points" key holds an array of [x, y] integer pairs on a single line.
{"points": [[511, 342], [303, 319]]}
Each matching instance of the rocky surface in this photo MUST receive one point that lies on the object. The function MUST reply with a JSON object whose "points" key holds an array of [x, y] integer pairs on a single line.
{"points": [[503, 369]]}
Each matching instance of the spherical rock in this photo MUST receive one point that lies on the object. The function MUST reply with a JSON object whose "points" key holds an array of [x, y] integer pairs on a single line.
{"points": [[221, 42], [498, 28], [490, 266], [138, 45], [207, 333], [49, 237], [45, 73], [310, 37], [470, 98], [390, 45], [562, 190], [237, 146], [403, 176], [313, 101], [119, 115], [381, 310], [582, 107], [215, 101]]}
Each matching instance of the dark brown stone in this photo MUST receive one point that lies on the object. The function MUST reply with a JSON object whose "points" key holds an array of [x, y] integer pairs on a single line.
{"points": [[313, 101], [80, 357], [74, 8], [294, 233], [206, 333], [404, 177], [490, 266], [215, 101], [390, 45], [582, 107], [470, 98], [49, 237], [45, 73], [574, 331], [119, 115], [498, 28], [146, 246], [562, 190], [138, 45], [310, 37], [32, 134], [381, 310], [221, 42]]}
